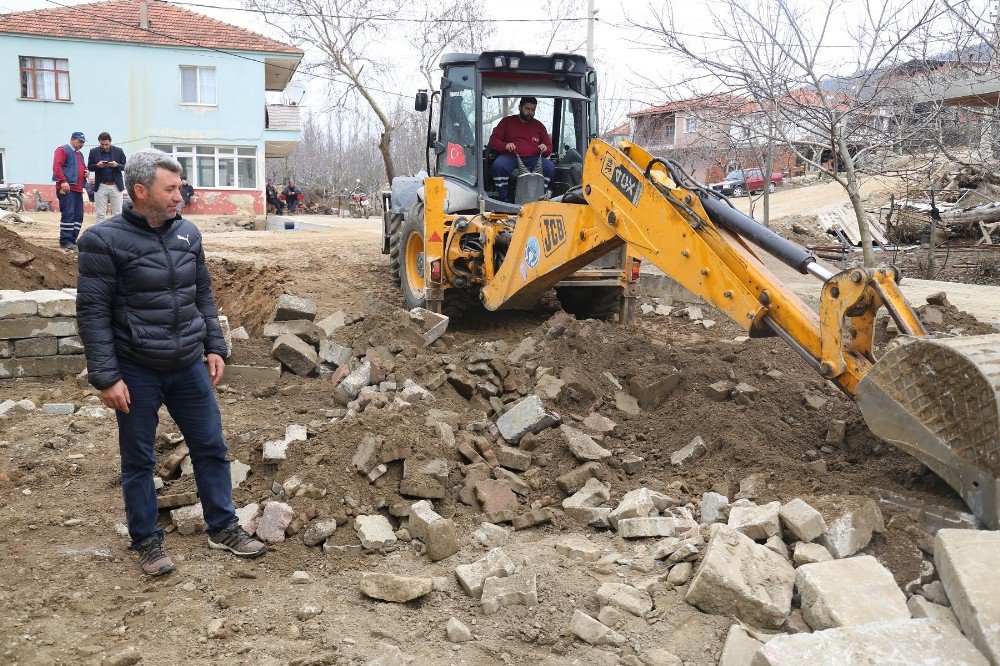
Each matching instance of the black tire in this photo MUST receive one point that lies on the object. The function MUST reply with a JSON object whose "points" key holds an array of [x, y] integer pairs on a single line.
{"points": [[738, 191], [395, 261], [590, 302]]}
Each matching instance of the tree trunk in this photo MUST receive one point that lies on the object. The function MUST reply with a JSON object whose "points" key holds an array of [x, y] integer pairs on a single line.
{"points": [[383, 145], [768, 168], [854, 192]]}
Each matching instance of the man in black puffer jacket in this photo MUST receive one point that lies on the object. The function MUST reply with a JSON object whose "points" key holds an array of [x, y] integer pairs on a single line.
{"points": [[148, 322]]}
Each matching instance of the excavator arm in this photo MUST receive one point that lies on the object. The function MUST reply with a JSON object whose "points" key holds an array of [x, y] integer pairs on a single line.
{"points": [[939, 400]]}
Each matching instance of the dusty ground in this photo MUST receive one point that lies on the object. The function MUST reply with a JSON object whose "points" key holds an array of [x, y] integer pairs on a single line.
{"points": [[70, 591]]}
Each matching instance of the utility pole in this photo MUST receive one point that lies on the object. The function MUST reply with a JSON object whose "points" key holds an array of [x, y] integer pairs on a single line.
{"points": [[591, 14]]}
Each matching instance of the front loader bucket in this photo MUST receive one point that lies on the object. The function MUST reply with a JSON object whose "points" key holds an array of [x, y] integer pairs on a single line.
{"points": [[939, 400]]}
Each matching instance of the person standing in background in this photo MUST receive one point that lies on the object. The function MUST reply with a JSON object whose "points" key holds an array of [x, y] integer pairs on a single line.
{"points": [[107, 162], [187, 195], [69, 173]]}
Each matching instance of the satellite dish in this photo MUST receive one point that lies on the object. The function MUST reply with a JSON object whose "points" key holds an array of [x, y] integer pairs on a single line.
{"points": [[295, 91]]}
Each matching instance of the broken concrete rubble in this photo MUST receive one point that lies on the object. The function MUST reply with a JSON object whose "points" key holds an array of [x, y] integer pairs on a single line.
{"points": [[582, 445], [594, 631], [757, 522], [966, 561], [689, 453], [528, 415], [803, 521], [472, 576], [438, 534], [289, 308], [374, 532], [515, 590], [394, 588], [850, 523], [850, 591], [627, 598]]}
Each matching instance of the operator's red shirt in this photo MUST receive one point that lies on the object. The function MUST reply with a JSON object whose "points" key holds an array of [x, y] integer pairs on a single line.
{"points": [[57, 169], [526, 136]]}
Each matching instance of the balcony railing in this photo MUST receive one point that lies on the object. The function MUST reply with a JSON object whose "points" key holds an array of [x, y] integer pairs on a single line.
{"points": [[282, 117]]}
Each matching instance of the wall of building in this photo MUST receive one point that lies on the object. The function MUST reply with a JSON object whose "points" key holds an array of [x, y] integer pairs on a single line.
{"points": [[132, 92]]}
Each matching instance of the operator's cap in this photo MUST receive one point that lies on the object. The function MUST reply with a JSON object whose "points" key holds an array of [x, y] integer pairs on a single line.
{"points": [[80, 136]]}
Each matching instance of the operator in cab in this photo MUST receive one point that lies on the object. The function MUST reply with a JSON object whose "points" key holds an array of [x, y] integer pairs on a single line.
{"points": [[520, 136]]}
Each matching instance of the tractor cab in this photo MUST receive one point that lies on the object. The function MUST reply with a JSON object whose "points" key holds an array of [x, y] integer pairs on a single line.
{"points": [[477, 92]]}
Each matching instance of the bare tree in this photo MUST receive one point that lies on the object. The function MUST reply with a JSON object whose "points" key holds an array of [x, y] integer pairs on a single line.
{"points": [[451, 26], [775, 53], [349, 35], [566, 32]]}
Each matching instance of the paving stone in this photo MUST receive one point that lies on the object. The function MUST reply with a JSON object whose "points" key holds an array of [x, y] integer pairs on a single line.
{"points": [[641, 503], [627, 598], [778, 545], [176, 500], [651, 391], [58, 408], [308, 332], [627, 404], [714, 508], [582, 445], [515, 590], [532, 518], [680, 573], [549, 387], [637, 528], [887, 643], [757, 522], [803, 521], [594, 631], [72, 345], [37, 327], [850, 524], [592, 494], [496, 496], [296, 355], [659, 656], [394, 588], [437, 533], [809, 553], [188, 519], [922, 608], [42, 366], [738, 648], [688, 454], [855, 590], [374, 531], [432, 325], [335, 354], [36, 347], [290, 308], [319, 532], [335, 321], [457, 631], [351, 385], [274, 521], [741, 579], [472, 576], [578, 548], [528, 415], [18, 308], [966, 561], [574, 479], [512, 458], [602, 425]]}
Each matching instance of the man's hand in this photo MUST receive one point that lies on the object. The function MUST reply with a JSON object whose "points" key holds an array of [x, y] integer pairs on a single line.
{"points": [[116, 396], [112, 163], [101, 163], [64, 187], [542, 148], [216, 366], [510, 147]]}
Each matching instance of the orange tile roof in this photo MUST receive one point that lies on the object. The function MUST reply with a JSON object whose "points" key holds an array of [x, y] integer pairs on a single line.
{"points": [[118, 21]]}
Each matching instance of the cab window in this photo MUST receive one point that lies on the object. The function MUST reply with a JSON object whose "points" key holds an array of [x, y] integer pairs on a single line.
{"points": [[457, 138]]}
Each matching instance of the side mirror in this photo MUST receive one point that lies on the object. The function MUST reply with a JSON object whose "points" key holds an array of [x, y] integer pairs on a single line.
{"points": [[420, 103]]}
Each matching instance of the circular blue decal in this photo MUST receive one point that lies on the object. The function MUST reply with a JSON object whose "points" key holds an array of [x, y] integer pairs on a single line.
{"points": [[531, 252]]}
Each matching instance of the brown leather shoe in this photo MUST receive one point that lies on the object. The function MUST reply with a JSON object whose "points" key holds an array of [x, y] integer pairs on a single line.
{"points": [[154, 559], [237, 542]]}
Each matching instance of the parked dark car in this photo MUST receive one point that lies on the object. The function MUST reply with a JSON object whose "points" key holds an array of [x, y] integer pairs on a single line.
{"points": [[740, 182]]}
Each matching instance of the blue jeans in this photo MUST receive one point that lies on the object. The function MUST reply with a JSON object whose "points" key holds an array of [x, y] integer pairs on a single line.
{"points": [[70, 216], [190, 400], [504, 165]]}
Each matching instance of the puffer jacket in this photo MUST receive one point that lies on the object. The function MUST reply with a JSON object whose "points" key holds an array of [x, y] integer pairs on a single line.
{"points": [[144, 296]]}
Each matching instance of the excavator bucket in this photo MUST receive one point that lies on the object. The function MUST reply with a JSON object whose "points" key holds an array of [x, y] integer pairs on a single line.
{"points": [[938, 399]]}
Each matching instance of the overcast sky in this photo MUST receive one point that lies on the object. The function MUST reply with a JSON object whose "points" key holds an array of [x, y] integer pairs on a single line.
{"points": [[628, 71]]}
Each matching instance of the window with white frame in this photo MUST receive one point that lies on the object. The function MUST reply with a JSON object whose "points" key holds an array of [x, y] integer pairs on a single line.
{"points": [[44, 78], [198, 85], [690, 124], [227, 167]]}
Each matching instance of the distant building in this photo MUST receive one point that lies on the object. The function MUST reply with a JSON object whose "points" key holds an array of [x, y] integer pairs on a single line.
{"points": [[152, 75]]}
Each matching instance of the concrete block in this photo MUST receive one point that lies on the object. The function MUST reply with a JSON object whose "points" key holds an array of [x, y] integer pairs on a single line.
{"points": [[922, 608], [457, 631], [887, 643], [689, 453], [967, 561], [574, 479], [438, 534], [578, 548], [275, 450], [625, 597], [651, 391], [495, 496], [582, 445], [638, 503], [188, 519], [397, 589], [512, 458], [350, 387], [295, 354], [472, 576], [803, 521], [850, 520], [53, 303], [276, 518], [249, 516], [58, 408], [333, 353], [71, 345], [374, 531], [760, 523], [594, 631], [36, 347], [714, 508], [638, 528], [855, 590], [810, 553], [602, 425], [528, 415], [516, 590], [42, 366], [532, 518], [37, 327], [741, 579], [319, 532], [738, 648], [592, 494], [18, 308], [290, 308], [308, 332], [432, 325]]}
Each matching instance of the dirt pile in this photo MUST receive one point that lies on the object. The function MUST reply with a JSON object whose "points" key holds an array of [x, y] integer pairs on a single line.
{"points": [[26, 266], [244, 292]]}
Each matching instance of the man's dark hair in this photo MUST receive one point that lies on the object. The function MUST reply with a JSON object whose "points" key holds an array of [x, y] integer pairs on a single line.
{"points": [[104, 136], [527, 100]]}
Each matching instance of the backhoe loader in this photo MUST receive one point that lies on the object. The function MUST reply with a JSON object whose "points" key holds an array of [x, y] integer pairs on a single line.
{"points": [[452, 245]]}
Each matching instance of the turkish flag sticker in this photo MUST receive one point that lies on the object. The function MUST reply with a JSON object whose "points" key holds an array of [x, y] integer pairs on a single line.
{"points": [[456, 155]]}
